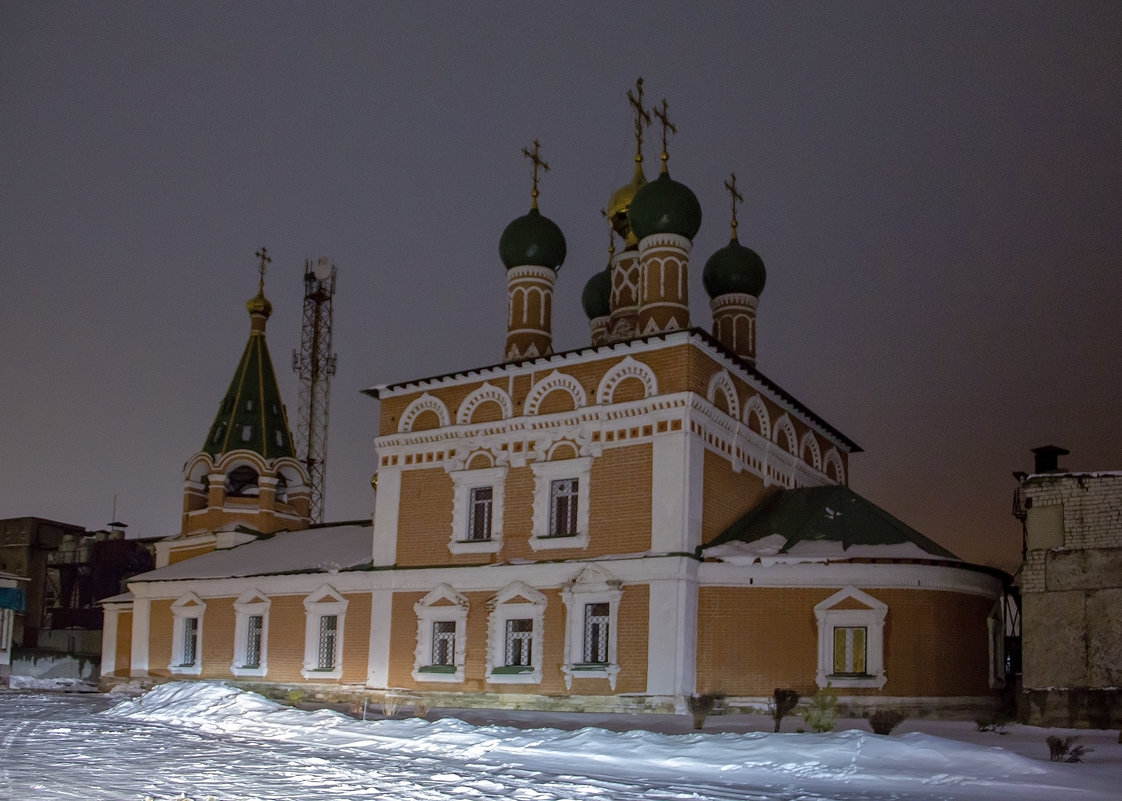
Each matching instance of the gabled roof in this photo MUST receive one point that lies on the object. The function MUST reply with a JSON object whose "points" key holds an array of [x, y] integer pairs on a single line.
{"points": [[251, 415], [821, 523]]}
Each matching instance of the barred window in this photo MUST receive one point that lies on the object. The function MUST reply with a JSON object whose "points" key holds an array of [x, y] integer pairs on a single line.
{"points": [[253, 629], [190, 641], [596, 618], [444, 642], [849, 651], [519, 639], [480, 502], [563, 507], [328, 627]]}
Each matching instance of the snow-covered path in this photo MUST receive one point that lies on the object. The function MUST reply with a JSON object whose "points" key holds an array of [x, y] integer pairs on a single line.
{"points": [[214, 742]]}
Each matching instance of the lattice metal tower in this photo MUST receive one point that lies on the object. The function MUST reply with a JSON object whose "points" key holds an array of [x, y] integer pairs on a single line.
{"points": [[314, 364]]}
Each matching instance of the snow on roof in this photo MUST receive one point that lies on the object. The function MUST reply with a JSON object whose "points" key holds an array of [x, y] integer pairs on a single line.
{"points": [[769, 551], [313, 550]]}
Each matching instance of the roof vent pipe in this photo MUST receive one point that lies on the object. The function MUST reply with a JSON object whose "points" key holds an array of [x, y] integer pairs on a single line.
{"points": [[1047, 458]]}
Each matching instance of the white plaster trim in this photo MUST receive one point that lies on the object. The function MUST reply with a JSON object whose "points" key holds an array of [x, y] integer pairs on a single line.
{"points": [[628, 368], [427, 614], [832, 458], [722, 382], [425, 403], [554, 381], [810, 442], [189, 605], [503, 609], [544, 474], [755, 405], [463, 481], [486, 392], [872, 619], [250, 603], [324, 602], [141, 628], [871, 575], [591, 585], [386, 511], [378, 653]]}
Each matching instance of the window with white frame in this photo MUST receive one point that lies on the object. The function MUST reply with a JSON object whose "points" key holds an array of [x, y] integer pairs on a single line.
{"points": [[477, 510], [251, 623], [187, 635], [851, 640], [561, 503], [592, 613], [441, 636], [515, 635], [325, 614]]}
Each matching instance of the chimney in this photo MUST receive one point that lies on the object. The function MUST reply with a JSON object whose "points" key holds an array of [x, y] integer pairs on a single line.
{"points": [[1047, 458]]}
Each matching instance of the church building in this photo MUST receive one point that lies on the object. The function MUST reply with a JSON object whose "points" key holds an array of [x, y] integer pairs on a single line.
{"points": [[612, 527]]}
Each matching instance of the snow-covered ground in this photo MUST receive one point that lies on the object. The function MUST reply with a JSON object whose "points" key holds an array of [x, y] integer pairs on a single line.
{"points": [[210, 741]]}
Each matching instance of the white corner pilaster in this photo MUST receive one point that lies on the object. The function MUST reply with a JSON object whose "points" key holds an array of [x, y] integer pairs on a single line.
{"points": [[141, 627], [378, 658], [677, 475], [672, 639], [386, 510]]}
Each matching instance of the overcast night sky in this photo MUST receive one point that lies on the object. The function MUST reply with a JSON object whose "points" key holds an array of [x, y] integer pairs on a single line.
{"points": [[935, 188]]}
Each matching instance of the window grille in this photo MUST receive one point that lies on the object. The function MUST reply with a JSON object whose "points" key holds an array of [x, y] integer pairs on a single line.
{"points": [[596, 633], [190, 640], [563, 507], [328, 628], [849, 650], [519, 638], [479, 519], [444, 642], [253, 629]]}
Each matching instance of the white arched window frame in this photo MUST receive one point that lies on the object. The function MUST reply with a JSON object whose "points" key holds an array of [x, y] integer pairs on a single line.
{"points": [[588, 632], [628, 368], [251, 635], [721, 382], [468, 490], [838, 634], [187, 635], [550, 479], [439, 610], [523, 606], [325, 613]]}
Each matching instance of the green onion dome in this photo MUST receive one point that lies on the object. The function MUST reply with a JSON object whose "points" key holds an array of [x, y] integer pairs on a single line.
{"points": [[665, 206], [532, 239], [734, 268], [597, 295]]}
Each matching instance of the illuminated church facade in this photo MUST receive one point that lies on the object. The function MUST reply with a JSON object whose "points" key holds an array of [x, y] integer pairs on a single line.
{"points": [[614, 527]]}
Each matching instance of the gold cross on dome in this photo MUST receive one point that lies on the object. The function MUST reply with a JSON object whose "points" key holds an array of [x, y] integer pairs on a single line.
{"points": [[263, 255], [667, 128], [642, 116], [736, 196], [535, 159]]}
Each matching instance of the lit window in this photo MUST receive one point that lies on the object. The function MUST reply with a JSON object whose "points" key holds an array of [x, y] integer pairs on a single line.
{"points": [[441, 636], [479, 515], [851, 640]]}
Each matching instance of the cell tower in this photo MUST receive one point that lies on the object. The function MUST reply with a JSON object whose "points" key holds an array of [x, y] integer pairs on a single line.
{"points": [[314, 364]]}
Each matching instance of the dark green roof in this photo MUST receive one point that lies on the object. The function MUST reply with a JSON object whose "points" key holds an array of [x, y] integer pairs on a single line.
{"points": [[597, 295], [532, 239], [825, 514], [734, 268], [665, 206], [251, 416]]}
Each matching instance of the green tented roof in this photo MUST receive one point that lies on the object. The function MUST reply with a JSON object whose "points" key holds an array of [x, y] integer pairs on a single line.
{"points": [[251, 415], [831, 514]]}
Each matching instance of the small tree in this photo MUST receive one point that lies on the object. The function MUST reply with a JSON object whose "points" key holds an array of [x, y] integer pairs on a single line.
{"points": [[821, 713], [782, 703], [701, 706]]}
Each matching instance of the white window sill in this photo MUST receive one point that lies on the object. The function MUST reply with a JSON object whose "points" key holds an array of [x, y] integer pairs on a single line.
{"points": [[553, 543], [186, 670], [531, 676], [493, 545], [318, 674], [876, 682], [248, 672], [456, 676], [590, 671]]}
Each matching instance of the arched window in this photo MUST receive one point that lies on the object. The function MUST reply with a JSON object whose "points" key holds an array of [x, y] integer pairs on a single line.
{"points": [[241, 482]]}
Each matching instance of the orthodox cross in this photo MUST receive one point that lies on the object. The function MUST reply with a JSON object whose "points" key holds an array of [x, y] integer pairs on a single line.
{"points": [[667, 127], [736, 196], [535, 159], [263, 255], [642, 116]]}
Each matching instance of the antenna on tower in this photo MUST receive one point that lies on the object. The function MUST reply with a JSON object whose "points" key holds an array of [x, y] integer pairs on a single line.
{"points": [[314, 364]]}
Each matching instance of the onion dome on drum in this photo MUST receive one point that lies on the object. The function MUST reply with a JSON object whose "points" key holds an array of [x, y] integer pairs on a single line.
{"points": [[665, 206], [734, 269], [597, 295], [532, 239]]}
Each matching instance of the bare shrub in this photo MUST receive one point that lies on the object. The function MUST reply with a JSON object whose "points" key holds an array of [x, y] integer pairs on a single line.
{"points": [[883, 721], [701, 706], [1066, 749], [782, 704]]}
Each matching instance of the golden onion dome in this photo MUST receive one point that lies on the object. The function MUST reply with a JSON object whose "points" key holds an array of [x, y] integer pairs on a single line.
{"points": [[259, 304], [620, 204]]}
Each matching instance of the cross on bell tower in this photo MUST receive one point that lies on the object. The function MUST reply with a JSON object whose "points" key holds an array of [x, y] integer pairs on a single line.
{"points": [[535, 159]]}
